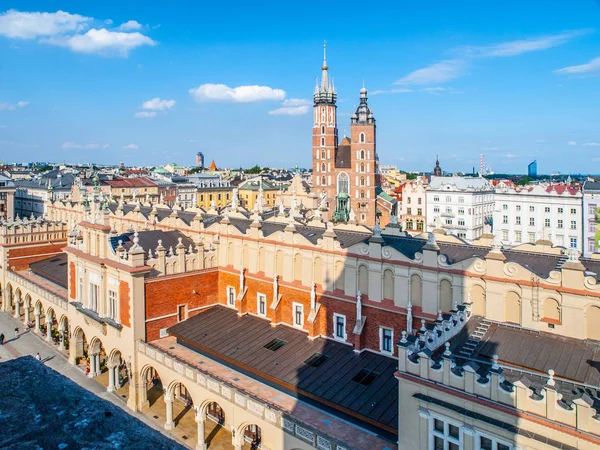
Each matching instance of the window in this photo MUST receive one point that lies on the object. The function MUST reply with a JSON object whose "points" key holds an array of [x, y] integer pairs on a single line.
{"points": [[94, 297], [261, 304], [444, 435], [362, 183], [316, 359], [505, 235], [408, 210], [419, 211], [532, 221], [322, 154], [362, 167], [505, 207], [362, 154], [518, 220], [448, 221], [181, 313], [322, 142], [230, 296], [448, 210], [112, 304], [518, 207], [504, 219], [560, 223], [488, 443], [448, 199], [323, 167], [385, 340], [461, 222], [339, 321], [365, 377], [275, 344], [518, 236], [531, 208], [436, 199], [573, 242], [408, 200], [436, 209], [573, 224], [561, 210], [420, 225], [298, 314], [573, 211], [547, 223], [419, 201], [323, 129], [461, 199], [362, 138], [531, 237], [547, 209], [80, 292]]}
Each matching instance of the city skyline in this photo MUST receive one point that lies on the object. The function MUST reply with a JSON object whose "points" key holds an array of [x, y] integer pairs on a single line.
{"points": [[147, 88]]}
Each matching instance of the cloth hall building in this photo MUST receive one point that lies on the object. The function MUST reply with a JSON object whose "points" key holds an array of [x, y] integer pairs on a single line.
{"points": [[286, 329]]}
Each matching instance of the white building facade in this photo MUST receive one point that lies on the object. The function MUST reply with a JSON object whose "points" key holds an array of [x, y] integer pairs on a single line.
{"points": [[540, 212], [462, 206], [591, 217]]}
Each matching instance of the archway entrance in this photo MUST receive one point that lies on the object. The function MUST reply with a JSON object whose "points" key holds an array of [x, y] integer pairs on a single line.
{"points": [[63, 334], [215, 431], [78, 349], [252, 437], [28, 320], [116, 376], [97, 358]]}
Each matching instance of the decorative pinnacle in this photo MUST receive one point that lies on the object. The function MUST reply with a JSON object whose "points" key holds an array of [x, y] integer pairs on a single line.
{"points": [[324, 55]]}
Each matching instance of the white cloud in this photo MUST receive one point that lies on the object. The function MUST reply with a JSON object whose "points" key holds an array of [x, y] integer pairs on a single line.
{"points": [[515, 48], [6, 106], [105, 145], [145, 114], [489, 149], [297, 102], [390, 91], [592, 144], [590, 68], [158, 104], [436, 73], [131, 147], [290, 111], [29, 25], [572, 143], [129, 25], [103, 42], [73, 145], [510, 155], [241, 94]]}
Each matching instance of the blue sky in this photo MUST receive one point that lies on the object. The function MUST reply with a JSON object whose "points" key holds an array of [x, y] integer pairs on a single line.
{"points": [[124, 81]]}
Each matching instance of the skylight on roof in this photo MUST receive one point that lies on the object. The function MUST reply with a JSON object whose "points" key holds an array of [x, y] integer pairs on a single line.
{"points": [[275, 344], [365, 377], [316, 359]]}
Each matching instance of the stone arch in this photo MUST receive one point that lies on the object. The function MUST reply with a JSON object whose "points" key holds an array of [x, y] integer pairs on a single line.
{"points": [[388, 284], [298, 267], [592, 322], [416, 290], [118, 375], [551, 310], [28, 309], [362, 280], [512, 307], [339, 275], [247, 432], [261, 260], [318, 271], [64, 332], [477, 294], [79, 345], [8, 291], [152, 387], [213, 411], [50, 323], [445, 295]]}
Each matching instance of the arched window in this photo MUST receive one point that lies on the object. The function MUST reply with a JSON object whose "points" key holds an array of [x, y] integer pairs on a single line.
{"points": [[445, 295], [322, 154], [362, 167], [362, 194], [388, 284], [323, 129], [362, 154], [551, 310], [416, 290], [322, 142], [512, 308], [323, 181], [363, 280], [362, 138], [362, 181], [343, 183]]}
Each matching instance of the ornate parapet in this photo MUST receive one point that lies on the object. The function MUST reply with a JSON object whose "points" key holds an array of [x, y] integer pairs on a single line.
{"points": [[39, 291]]}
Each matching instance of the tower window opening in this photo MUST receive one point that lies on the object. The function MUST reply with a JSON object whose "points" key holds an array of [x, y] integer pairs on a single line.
{"points": [[362, 138], [323, 167], [362, 181], [323, 129], [362, 154], [322, 142], [323, 181], [362, 167], [322, 154]]}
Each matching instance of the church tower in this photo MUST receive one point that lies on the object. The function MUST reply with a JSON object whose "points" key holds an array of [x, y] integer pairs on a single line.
{"points": [[365, 164], [325, 136]]}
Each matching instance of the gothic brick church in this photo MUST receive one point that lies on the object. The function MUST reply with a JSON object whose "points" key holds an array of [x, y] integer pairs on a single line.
{"points": [[346, 174]]}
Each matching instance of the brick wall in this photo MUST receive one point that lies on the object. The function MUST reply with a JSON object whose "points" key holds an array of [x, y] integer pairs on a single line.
{"points": [[124, 299], [164, 294], [72, 281], [21, 257]]}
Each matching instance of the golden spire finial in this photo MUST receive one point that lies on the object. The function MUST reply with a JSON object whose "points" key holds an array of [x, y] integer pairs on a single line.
{"points": [[324, 56]]}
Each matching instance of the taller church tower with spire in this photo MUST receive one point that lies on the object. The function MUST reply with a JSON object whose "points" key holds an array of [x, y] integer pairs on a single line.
{"points": [[345, 175]]}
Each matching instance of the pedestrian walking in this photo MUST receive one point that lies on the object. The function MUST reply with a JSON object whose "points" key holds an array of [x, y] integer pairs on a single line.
{"points": [[38, 357], [1, 338], [16, 332]]}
